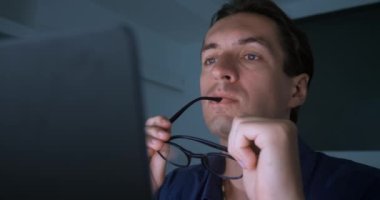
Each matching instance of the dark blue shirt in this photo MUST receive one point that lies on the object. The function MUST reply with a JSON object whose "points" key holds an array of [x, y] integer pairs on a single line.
{"points": [[324, 178]]}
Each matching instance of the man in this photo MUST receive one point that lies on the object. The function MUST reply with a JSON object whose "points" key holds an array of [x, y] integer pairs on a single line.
{"points": [[260, 64]]}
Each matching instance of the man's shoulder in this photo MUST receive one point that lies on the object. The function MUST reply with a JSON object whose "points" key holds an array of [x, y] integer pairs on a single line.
{"points": [[345, 178], [340, 167]]}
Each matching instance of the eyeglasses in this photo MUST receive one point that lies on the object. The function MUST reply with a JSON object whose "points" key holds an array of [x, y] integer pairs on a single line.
{"points": [[214, 162]]}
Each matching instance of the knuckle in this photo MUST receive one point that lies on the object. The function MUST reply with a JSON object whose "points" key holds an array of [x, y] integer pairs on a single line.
{"points": [[165, 136], [287, 127], [161, 119], [149, 121], [238, 120], [156, 120], [150, 130], [154, 144]]}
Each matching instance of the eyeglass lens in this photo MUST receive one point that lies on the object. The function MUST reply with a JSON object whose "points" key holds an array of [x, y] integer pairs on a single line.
{"points": [[215, 162]]}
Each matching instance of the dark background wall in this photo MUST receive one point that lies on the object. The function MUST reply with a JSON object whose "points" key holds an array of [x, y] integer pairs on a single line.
{"points": [[3, 36], [343, 108]]}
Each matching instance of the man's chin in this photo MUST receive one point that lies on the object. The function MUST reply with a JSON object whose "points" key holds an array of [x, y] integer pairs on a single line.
{"points": [[220, 126]]}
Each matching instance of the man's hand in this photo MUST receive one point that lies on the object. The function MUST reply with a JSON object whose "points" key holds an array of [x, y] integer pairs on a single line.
{"points": [[157, 133], [267, 150]]}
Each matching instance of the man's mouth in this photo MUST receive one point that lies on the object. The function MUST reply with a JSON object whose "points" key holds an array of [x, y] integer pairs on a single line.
{"points": [[223, 100]]}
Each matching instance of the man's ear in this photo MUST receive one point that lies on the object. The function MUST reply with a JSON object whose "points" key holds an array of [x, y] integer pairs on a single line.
{"points": [[299, 90]]}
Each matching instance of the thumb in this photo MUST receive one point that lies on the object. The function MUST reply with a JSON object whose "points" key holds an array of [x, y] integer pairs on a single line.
{"points": [[157, 170]]}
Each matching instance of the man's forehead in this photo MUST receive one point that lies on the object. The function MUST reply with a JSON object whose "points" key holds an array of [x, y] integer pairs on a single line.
{"points": [[243, 26], [243, 29]]}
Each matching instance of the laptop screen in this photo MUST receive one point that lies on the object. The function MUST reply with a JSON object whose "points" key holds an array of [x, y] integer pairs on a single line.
{"points": [[71, 118]]}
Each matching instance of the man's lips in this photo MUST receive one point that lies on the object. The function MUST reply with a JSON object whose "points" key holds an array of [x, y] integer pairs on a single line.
{"points": [[226, 99]]}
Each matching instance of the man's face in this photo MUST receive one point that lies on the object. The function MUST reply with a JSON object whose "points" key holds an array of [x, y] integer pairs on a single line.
{"points": [[242, 62]]}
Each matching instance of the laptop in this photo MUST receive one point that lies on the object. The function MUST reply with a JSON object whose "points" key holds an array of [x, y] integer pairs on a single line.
{"points": [[71, 118]]}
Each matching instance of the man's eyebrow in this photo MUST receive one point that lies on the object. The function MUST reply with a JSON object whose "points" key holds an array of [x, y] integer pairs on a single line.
{"points": [[209, 46], [257, 40]]}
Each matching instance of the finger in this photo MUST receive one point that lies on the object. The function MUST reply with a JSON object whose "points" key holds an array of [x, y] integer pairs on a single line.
{"points": [[241, 143], [245, 153], [154, 143], [242, 150], [157, 171], [157, 132], [151, 152], [159, 121], [165, 149]]}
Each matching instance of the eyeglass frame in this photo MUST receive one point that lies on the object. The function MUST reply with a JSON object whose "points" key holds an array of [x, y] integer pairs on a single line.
{"points": [[189, 154]]}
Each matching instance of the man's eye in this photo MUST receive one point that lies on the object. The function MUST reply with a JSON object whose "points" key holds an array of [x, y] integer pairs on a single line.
{"points": [[209, 61], [251, 57]]}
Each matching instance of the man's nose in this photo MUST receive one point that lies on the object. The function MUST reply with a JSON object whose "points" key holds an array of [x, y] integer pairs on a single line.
{"points": [[226, 69]]}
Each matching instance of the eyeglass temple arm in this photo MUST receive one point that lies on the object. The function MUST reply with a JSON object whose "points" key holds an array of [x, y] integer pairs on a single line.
{"points": [[179, 113], [206, 142]]}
